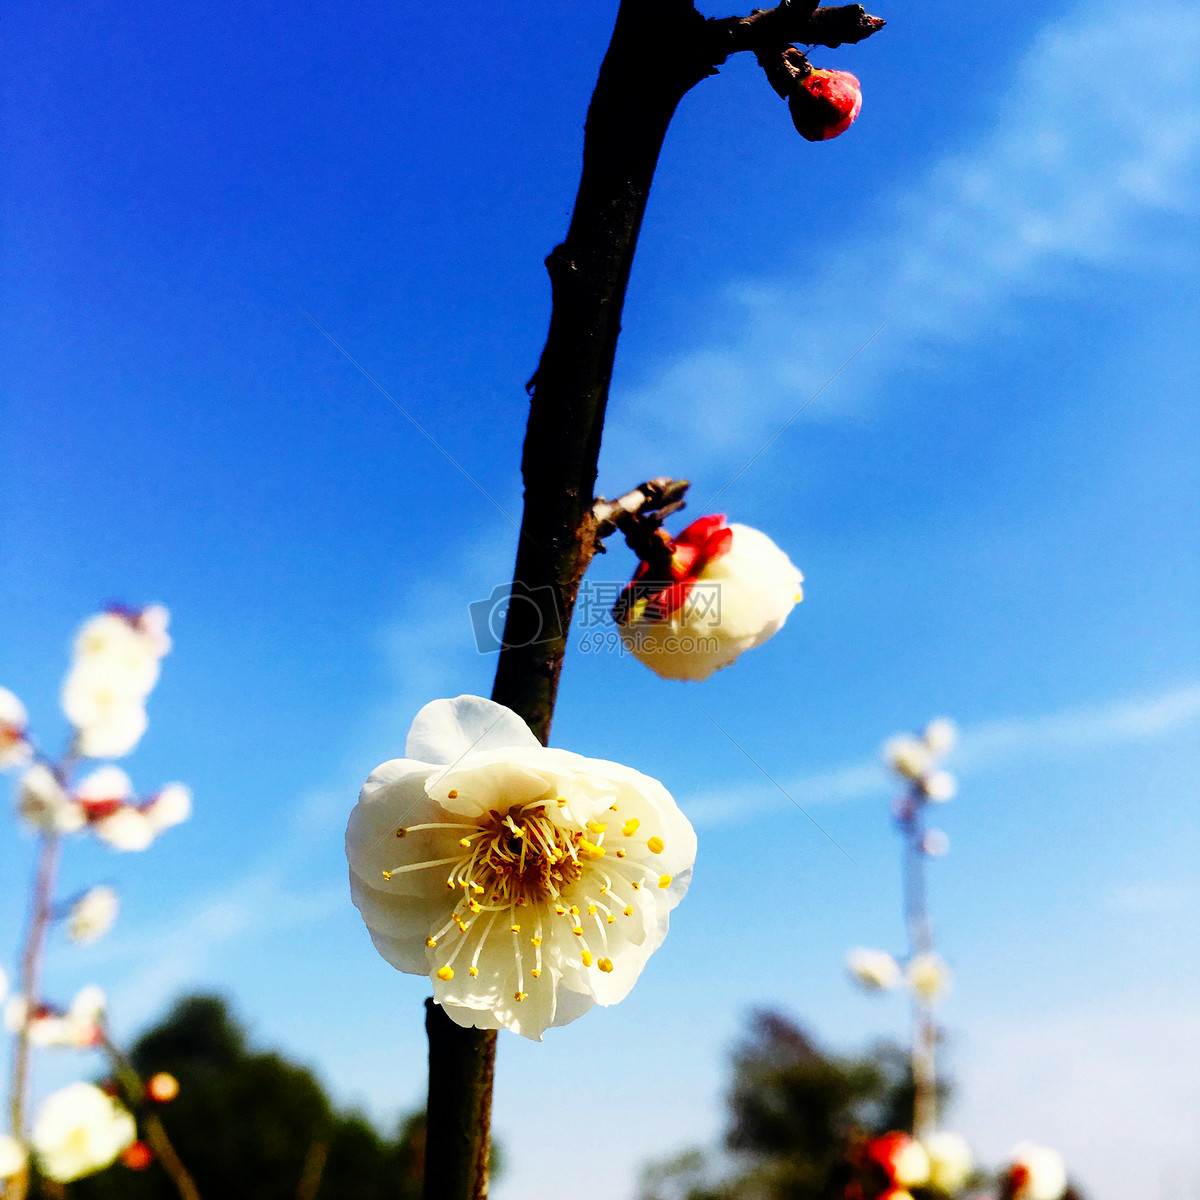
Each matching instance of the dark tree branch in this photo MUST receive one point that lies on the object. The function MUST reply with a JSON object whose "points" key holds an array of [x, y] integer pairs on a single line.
{"points": [[660, 49], [802, 23]]}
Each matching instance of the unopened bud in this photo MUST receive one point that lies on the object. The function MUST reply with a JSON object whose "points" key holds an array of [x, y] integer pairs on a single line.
{"points": [[136, 1156], [162, 1087], [824, 104]]}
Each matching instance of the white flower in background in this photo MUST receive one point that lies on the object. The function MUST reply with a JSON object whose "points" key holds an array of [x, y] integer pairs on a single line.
{"points": [[928, 976], [940, 736], [13, 1156], [527, 883], [116, 644], [171, 806], [107, 799], [85, 1017], [1037, 1173], [15, 750], [115, 668], [916, 759], [109, 721], [43, 804], [910, 1164], [80, 1026], [939, 786], [731, 588], [80, 1130], [127, 829], [92, 915], [935, 843], [907, 756], [873, 970], [950, 1160]]}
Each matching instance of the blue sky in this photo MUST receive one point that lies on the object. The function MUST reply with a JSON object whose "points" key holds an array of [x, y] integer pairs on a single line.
{"points": [[994, 504]]}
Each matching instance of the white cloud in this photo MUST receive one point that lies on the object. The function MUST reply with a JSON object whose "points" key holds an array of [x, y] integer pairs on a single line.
{"points": [[993, 745], [1091, 164]]}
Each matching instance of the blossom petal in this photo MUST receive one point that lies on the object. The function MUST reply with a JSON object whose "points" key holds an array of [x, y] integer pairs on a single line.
{"points": [[445, 730]]}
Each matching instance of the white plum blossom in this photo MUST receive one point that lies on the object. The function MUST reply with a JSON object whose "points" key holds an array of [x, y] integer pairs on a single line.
{"points": [[13, 1156], [940, 736], [936, 843], [528, 883], [873, 970], [92, 915], [950, 1160], [80, 1130], [907, 756], [15, 750], [928, 976], [43, 803], [109, 722], [730, 589], [939, 786], [1036, 1172], [170, 807], [116, 666], [910, 1164], [916, 759], [80, 1026]]}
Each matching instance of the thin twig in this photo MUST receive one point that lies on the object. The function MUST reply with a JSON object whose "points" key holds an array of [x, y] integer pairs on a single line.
{"points": [[134, 1087]]}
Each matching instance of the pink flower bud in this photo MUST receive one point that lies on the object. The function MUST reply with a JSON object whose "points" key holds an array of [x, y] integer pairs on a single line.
{"points": [[824, 104]]}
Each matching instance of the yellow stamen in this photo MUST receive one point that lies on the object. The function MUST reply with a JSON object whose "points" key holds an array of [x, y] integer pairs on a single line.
{"points": [[578, 931], [465, 843], [664, 881], [402, 832], [514, 929], [586, 958], [610, 918], [536, 972], [473, 971], [574, 910], [628, 910], [630, 827], [591, 910], [445, 974], [453, 793], [387, 874], [591, 850], [519, 996], [561, 802], [431, 942], [596, 827], [535, 941], [620, 853], [655, 845], [605, 964]]}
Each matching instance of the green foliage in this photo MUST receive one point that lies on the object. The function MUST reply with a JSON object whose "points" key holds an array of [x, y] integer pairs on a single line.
{"points": [[250, 1125], [793, 1111]]}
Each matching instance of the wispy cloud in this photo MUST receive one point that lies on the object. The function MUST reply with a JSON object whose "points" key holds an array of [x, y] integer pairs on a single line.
{"points": [[1095, 143], [993, 745]]}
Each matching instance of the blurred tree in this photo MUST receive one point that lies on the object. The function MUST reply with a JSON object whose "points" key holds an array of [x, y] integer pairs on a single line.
{"points": [[793, 1112], [250, 1125]]}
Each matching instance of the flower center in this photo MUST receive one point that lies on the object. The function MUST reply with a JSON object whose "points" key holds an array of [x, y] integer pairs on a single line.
{"points": [[522, 857]]}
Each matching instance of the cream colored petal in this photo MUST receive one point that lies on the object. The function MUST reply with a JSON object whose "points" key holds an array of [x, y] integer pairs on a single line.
{"points": [[445, 730]]}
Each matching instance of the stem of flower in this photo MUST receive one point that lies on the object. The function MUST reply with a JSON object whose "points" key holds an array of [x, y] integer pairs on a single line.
{"points": [[920, 941], [41, 913], [151, 1125]]}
